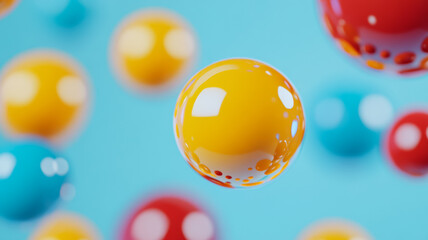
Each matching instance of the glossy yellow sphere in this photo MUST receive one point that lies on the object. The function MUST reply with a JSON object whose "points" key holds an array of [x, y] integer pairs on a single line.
{"points": [[153, 49], [66, 227], [42, 93], [239, 122], [335, 230], [6, 6]]}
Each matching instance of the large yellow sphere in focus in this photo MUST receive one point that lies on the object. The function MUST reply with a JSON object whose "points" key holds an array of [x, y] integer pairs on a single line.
{"points": [[239, 122], [335, 230], [153, 49], [42, 93], [6, 6], [66, 227]]}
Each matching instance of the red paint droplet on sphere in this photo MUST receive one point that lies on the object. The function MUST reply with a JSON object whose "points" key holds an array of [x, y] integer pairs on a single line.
{"points": [[370, 49], [385, 54], [410, 71], [405, 58], [218, 173], [228, 177], [424, 46]]}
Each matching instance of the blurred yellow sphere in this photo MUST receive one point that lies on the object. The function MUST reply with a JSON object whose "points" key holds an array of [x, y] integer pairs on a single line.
{"points": [[153, 49], [66, 227], [42, 93], [335, 230], [6, 6]]}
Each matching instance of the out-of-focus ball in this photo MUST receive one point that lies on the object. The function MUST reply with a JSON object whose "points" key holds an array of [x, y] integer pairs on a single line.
{"points": [[349, 121], [66, 226], [43, 93], [66, 13], [169, 217], [384, 35], [335, 230], [31, 178], [153, 49], [407, 143], [239, 122], [6, 6]]}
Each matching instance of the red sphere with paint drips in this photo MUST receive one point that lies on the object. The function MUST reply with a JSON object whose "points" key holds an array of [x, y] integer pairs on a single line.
{"points": [[386, 35]]}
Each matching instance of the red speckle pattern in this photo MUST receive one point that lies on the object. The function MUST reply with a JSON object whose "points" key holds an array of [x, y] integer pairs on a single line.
{"points": [[407, 143], [398, 29]]}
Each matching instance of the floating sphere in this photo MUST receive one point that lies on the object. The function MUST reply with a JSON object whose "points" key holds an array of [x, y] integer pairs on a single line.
{"points": [[384, 35], [335, 230], [152, 50], [31, 178], [239, 122], [349, 121], [407, 143], [169, 217], [66, 226], [43, 93]]}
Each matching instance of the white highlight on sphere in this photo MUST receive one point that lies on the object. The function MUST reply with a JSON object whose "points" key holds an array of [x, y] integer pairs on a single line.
{"points": [[197, 226], [19, 88], [372, 20], [136, 41], [7, 164], [329, 113], [72, 90], [375, 111], [63, 167], [209, 102], [49, 166], [67, 192], [407, 136], [179, 43], [286, 97], [152, 224], [294, 126]]}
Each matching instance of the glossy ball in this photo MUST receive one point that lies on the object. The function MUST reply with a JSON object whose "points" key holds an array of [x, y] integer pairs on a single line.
{"points": [[239, 122], [66, 226], [31, 178], [335, 230], [384, 35], [349, 121], [169, 217], [66, 13], [6, 6], [407, 143], [153, 49], [44, 94]]}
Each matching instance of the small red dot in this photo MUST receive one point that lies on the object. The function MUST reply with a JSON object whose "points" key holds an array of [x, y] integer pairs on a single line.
{"points": [[385, 54], [405, 58], [370, 49], [425, 45], [228, 177], [218, 173]]}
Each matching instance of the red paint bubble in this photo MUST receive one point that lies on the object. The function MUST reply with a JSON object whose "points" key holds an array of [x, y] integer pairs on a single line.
{"points": [[405, 58]]}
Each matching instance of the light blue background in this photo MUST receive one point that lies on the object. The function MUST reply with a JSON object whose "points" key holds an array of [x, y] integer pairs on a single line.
{"points": [[127, 148]]}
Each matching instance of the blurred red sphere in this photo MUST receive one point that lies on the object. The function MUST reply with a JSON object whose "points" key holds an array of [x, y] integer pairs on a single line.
{"points": [[407, 143], [389, 35], [169, 218]]}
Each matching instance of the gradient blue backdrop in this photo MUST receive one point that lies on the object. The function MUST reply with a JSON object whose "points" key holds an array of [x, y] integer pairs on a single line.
{"points": [[127, 148]]}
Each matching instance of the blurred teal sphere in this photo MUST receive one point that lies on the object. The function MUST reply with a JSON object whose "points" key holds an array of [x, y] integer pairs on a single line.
{"points": [[349, 120], [31, 178], [66, 13]]}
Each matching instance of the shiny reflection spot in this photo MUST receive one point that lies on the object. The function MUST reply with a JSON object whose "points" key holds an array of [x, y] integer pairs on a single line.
{"points": [[7, 164], [286, 97], [63, 167], [179, 43], [151, 224], [372, 20], [20, 88], [49, 166], [407, 136], [268, 73], [329, 113], [375, 111], [136, 42], [197, 226], [294, 126], [72, 90], [67, 192], [208, 103]]}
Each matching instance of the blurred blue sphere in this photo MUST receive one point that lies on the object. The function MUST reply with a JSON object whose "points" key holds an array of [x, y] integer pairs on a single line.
{"points": [[66, 13], [349, 120], [31, 177]]}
